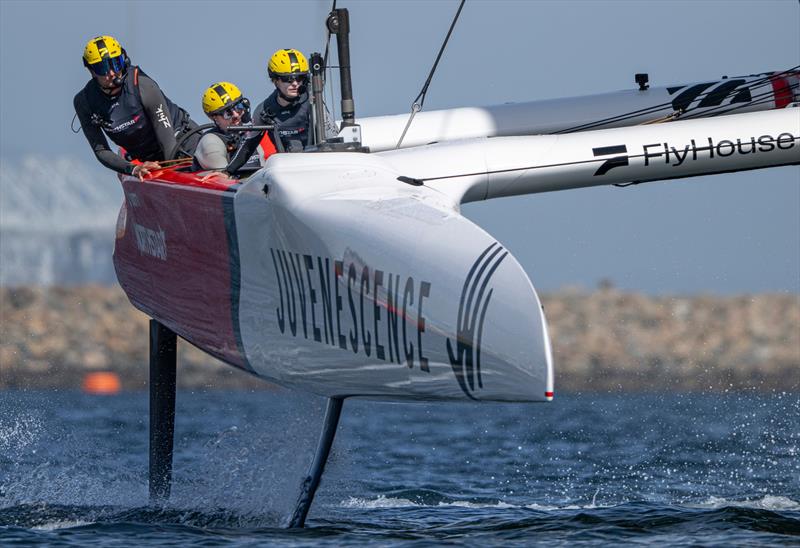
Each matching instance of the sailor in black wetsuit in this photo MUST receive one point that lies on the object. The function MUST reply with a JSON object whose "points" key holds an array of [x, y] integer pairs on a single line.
{"points": [[128, 106], [288, 108]]}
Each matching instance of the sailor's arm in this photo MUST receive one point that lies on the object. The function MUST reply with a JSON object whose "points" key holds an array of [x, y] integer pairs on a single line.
{"points": [[155, 106], [97, 141], [243, 153]]}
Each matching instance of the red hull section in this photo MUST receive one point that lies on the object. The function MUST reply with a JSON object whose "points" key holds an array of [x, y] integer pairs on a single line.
{"points": [[176, 258]]}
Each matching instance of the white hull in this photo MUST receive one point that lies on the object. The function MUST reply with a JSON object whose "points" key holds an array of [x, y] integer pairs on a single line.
{"points": [[333, 227]]}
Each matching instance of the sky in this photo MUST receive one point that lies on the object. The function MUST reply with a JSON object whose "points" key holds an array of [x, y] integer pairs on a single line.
{"points": [[724, 234]]}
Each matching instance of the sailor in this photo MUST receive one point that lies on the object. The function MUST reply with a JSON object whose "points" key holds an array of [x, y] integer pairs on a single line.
{"points": [[124, 104], [224, 104], [288, 108]]}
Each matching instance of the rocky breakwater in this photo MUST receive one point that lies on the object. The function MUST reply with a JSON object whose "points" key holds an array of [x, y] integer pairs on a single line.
{"points": [[602, 340], [610, 340], [52, 337]]}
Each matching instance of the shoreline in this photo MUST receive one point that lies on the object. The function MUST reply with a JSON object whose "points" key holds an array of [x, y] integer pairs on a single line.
{"points": [[603, 340]]}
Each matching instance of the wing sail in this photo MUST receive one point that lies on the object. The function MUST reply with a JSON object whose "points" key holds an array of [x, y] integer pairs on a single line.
{"points": [[593, 112]]}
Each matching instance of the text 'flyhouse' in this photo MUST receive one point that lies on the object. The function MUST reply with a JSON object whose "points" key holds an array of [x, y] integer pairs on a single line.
{"points": [[675, 156]]}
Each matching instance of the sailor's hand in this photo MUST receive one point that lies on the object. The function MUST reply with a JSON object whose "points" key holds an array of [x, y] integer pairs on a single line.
{"points": [[213, 175], [141, 170]]}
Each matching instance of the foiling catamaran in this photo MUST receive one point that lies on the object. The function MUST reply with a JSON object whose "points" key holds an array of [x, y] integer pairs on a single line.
{"points": [[349, 271]]}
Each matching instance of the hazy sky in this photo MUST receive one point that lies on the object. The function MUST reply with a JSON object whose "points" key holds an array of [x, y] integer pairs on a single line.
{"points": [[725, 233]]}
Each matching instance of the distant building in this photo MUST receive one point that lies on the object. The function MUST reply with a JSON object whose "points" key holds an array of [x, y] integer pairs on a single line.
{"points": [[57, 219]]}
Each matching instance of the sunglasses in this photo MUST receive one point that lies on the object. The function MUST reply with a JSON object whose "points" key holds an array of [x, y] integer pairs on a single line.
{"points": [[289, 78], [227, 114], [106, 65]]}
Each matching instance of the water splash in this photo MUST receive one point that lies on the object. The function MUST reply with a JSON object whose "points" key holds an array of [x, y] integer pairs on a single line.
{"points": [[767, 502]]}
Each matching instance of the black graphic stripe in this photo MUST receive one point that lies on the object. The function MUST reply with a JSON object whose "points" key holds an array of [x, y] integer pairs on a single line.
{"points": [[457, 362], [720, 93], [473, 323], [465, 353], [101, 45], [480, 336], [611, 163], [604, 151], [461, 356], [235, 273], [485, 283], [293, 61], [743, 96], [654, 109], [467, 281], [221, 92], [682, 101], [477, 280], [619, 161]]}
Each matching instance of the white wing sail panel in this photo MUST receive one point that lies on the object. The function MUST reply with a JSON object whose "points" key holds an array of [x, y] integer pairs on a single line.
{"points": [[345, 290], [593, 112]]}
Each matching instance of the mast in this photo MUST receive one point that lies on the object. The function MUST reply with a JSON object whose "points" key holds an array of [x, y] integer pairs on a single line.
{"points": [[339, 24]]}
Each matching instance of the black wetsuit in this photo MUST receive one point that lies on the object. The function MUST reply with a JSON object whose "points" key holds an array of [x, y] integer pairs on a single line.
{"points": [[140, 118], [293, 124], [293, 121]]}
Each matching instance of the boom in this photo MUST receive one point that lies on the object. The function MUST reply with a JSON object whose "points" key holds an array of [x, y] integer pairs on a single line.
{"points": [[482, 169]]}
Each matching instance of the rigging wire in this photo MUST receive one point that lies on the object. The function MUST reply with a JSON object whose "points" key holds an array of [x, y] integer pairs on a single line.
{"points": [[667, 118], [653, 109], [754, 85], [765, 81], [419, 101], [755, 100], [72, 125], [762, 98], [329, 93]]}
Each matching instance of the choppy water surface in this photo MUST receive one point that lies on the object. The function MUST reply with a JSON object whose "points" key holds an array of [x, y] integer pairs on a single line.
{"points": [[585, 469]]}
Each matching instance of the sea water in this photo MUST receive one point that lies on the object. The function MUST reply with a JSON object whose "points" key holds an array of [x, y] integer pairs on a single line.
{"points": [[586, 469]]}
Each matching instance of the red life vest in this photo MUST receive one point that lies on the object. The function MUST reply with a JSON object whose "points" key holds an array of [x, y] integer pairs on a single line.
{"points": [[266, 148]]}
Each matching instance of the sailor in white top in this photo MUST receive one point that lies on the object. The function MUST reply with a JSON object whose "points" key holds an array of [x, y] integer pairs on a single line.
{"points": [[224, 104]]}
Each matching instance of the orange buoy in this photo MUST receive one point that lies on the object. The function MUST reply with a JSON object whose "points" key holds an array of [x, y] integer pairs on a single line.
{"points": [[102, 382]]}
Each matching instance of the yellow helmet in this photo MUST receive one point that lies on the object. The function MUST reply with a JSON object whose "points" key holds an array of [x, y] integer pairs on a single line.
{"points": [[220, 96], [287, 61], [103, 53]]}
